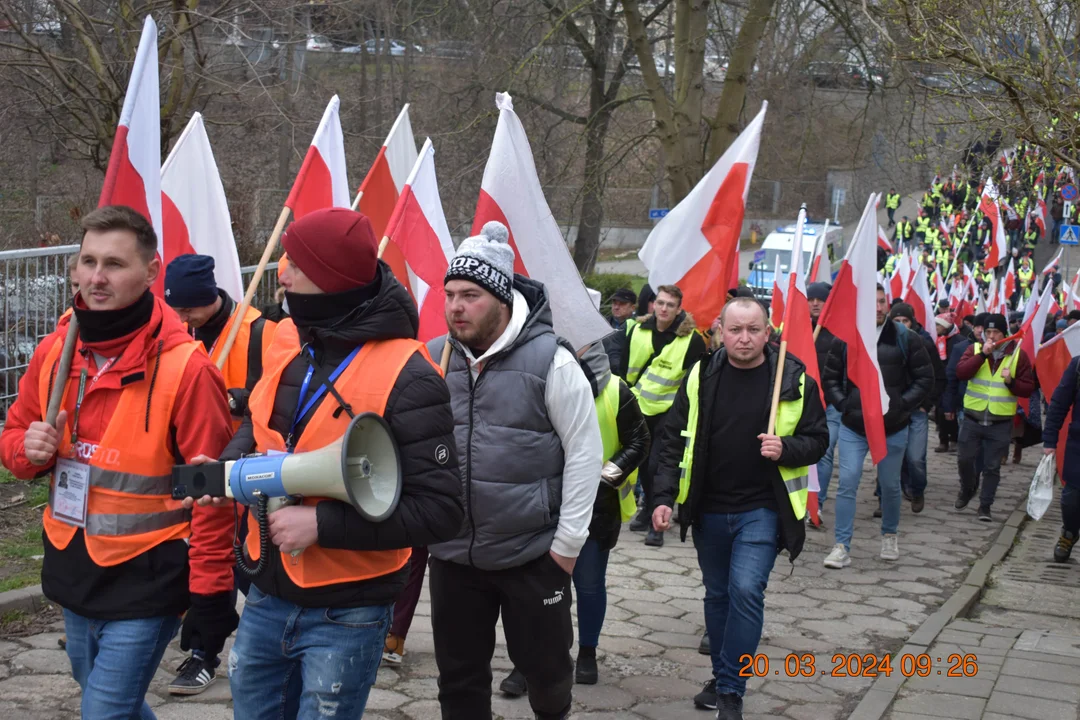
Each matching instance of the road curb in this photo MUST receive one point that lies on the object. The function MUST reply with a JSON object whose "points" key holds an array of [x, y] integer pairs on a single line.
{"points": [[877, 700], [27, 599]]}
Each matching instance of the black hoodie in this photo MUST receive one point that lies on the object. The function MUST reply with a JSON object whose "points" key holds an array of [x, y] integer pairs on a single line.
{"points": [[419, 415]]}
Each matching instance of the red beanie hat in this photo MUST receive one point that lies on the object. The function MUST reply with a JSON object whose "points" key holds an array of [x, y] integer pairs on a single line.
{"points": [[335, 247]]}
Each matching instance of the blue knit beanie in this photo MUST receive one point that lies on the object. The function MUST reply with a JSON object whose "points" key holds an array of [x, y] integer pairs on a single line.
{"points": [[189, 282]]}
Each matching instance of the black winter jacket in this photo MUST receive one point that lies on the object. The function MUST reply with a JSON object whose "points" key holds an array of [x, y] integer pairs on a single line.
{"points": [[419, 415], [938, 366], [907, 381], [804, 448], [822, 345]]}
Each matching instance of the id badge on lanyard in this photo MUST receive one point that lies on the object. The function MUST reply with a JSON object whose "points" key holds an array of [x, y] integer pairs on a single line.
{"points": [[71, 486]]}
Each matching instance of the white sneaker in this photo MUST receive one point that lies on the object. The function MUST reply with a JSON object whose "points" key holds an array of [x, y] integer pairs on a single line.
{"points": [[889, 549], [838, 558]]}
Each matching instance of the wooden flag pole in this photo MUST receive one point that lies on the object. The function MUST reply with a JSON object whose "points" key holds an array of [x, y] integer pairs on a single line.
{"points": [[62, 370], [817, 331], [776, 388], [356, 202], [382, 245], [271, 245], [444, 361]]}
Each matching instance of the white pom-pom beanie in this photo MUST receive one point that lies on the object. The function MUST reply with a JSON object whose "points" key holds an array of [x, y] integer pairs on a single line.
{"points": [[487, 260]]}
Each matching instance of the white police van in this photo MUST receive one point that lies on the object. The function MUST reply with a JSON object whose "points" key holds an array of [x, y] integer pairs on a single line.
{"points": [[777, 247]]}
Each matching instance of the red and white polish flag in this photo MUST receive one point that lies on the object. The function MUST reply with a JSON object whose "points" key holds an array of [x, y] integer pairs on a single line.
{"points": [[195, 213], [511, 193], [696, 245], [799, 335], [918, 297], [901, 274], [1009, 285], [854, 321], [821, 272], [781, 280], [419, 231], [988, 204], [1052, 266], [383, 186], [322, 181], [1050, 365], [883, 240], [133, 177]]}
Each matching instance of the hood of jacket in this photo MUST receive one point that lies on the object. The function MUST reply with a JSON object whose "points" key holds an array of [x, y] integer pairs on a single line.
{"points": [[597, 367], [391, 314], [683, 324], [537, 322]]}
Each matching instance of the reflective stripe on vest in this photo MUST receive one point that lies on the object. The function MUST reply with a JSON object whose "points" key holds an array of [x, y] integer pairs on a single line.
{"points": [[129, 503], [988, 391], [607, 412], [655, 381], [365, 385], [796, 480]]}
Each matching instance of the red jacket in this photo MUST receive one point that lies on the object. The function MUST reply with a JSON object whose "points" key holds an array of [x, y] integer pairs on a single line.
{"points": [[1023, 382], [201, 425]]}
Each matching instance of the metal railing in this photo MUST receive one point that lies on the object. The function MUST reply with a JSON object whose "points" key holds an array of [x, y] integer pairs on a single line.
{"points": [[35, 292]]}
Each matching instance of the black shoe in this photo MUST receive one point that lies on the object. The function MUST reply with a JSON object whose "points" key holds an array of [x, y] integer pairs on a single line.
{"points": [[907, 495], [963, 498], [877, 513], [585, 672], [728, 707], [704, 647], [917, 504], [654, 539], [192, 677], [942, 448], [1064, 546], [706, 699], [984, 513], [641, 521], [514, 685]]}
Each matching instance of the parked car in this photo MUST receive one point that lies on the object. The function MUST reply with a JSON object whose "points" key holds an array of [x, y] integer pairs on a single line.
{"points": [[458, 49], [378, 46]]}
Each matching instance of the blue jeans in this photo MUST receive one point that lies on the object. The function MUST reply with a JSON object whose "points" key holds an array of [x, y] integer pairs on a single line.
{"points": [[853, 449], [114, 661], [736, 552], [590, 585], [295, 662], [915, 456], [825, 464]]}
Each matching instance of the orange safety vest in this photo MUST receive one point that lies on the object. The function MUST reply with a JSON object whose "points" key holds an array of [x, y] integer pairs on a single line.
{"points": [[235, 370], [365, 385], [129, 507]]}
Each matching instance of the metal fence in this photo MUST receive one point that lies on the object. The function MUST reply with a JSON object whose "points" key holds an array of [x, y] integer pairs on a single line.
{"points": [[35, 292]]}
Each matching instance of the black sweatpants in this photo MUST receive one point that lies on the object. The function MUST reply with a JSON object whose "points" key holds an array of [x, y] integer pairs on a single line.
{"points": [[648, 469], [947, 430], [534, 600]]}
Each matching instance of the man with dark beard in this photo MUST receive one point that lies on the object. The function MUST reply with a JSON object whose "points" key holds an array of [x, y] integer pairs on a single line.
{"points": [[531, 456]]}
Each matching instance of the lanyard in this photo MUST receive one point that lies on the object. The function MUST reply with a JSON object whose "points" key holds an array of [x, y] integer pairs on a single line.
{"points": [[82, 394], [302, 407]]}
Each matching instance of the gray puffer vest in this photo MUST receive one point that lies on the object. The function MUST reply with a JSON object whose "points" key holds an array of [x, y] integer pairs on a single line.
{"points": [[511, 458]]}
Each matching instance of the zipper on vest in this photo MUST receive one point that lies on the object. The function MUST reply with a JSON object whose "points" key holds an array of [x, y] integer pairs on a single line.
{"points": [[468, 465]]}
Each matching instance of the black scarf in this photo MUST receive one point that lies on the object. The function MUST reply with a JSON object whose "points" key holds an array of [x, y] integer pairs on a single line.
{"points": [[210, 331], [104, 325], [328, 310]]}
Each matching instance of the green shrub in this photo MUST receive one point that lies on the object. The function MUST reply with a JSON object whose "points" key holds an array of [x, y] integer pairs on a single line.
{"points": [[607, 283]]}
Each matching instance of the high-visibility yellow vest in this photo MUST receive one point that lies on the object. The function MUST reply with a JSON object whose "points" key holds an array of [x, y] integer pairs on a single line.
{"points": [[1031, 236], [655, 382], [788, 414], [923, 223], [988, 390], [607, 412], [904, 230], [892, 201], [1026, 276], [891, 263]]}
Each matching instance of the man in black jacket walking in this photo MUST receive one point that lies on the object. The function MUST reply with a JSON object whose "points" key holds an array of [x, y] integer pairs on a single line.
{"points": [[908, 378], [744, 491], [816, 295]]}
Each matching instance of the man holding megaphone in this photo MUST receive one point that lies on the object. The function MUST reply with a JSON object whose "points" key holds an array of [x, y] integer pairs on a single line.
{"points": [[311, 635]]}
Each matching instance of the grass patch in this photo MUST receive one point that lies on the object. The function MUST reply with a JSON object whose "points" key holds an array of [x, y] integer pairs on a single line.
{"points": [[6, 477], [39, 493], [24, 546], [22, 579]]}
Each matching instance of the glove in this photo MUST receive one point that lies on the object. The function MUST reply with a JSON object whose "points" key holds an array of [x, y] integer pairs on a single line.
{"points": [[238, 401], [209, 623], [611, 474]]}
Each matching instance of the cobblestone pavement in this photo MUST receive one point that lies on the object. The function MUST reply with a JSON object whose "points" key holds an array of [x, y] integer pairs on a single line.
{"points": [[1023, 640], [649, 666]]}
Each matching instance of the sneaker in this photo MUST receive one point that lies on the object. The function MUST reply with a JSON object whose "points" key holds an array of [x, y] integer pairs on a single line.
{"points": [[963, 498], [1064, 546], [728, 707], [641, 521], [192, 677], [838, 558], [585, 670], [394, 651], [917, 504], [706, 699], [514, 685], [889, 548], [984, 513], [654, 539], [704, 647]]}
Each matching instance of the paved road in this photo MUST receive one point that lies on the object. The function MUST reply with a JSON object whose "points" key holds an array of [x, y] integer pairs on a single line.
{"points": [[648, 661]]}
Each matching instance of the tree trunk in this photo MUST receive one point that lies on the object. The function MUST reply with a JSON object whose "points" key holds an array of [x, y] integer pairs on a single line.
{"points": [[285, 140], [591, 219], [740, 66]]}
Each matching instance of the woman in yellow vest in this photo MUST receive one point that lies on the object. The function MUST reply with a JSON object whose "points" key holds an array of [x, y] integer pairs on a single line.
{"points": [[743, 491]]}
